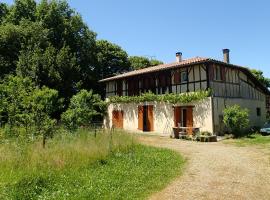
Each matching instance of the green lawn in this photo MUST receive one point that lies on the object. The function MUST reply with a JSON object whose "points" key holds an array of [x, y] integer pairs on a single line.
{"points": [[85, 167], [254, 139]]}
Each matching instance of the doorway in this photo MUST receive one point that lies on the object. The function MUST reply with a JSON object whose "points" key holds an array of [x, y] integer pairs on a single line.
{"points": [[145, 118], [117, 118], [184, 117]]}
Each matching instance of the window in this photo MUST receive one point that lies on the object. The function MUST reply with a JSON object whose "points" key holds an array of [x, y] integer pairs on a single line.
{"points": [[184, 77], [218, 73], [258, 110], [176, 78]]}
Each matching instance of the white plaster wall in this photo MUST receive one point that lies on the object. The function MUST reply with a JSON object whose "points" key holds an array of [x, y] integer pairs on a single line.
{"points": [[250, 104], [202, 115], [163, 116], [130, 119]]}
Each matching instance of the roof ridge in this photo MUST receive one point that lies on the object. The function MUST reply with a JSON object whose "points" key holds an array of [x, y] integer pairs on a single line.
{"points": [[160, 67]]}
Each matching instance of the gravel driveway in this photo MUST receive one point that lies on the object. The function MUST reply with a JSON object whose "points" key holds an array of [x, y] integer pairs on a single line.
{"points": [[216, 171]]}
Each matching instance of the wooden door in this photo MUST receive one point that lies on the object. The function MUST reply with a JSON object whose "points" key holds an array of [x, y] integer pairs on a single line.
{"points": [[177, 116], [145, 118], [184, 117], [150, 118], [140, 117], [117, 118], [189, 119]]}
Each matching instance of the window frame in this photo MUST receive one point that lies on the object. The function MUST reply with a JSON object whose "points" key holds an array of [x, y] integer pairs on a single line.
{"points": [[183, 80]]}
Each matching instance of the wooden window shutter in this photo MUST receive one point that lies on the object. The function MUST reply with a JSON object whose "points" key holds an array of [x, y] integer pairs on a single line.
{"points": [[140, 117], [150, 115], [190, 119], [223, 73], [163, 80], [177, 76], [211, 72], [177, 116]]}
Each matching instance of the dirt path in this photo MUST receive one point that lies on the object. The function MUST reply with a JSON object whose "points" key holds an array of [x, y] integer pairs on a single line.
{"points": [[217, 171]]}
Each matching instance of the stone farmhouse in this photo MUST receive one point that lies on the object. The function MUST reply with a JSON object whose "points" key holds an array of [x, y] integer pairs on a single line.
{"points": [[230, 84]]}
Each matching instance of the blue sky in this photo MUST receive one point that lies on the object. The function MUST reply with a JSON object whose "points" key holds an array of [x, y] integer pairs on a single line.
{"points": [[194, 27]]}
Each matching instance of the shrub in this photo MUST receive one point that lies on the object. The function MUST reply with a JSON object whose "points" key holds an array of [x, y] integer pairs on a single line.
{"points": [[236, 119], [206, 133], [84, 108], [25, 110]]}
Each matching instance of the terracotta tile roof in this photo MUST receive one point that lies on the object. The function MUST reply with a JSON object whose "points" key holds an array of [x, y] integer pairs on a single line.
{"points": [[158, 68]]}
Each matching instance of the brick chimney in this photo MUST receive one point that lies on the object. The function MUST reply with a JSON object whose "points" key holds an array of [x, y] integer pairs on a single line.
{"points": [[178, 57], [226, 55]]}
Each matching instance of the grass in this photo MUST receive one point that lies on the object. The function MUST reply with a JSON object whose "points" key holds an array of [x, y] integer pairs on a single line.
{"points": [[81, 166], [254, 139]]}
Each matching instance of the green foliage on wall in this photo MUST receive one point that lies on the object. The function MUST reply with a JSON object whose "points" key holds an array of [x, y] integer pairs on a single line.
{"points": [[169, 98]]}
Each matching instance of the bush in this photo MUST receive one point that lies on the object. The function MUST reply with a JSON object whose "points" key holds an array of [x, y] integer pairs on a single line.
{"points": [[25, 110], [236, 119], [84, 108]]}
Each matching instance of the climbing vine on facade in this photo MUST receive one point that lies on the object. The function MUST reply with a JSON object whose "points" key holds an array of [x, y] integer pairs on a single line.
{"points": [[168, 98]]}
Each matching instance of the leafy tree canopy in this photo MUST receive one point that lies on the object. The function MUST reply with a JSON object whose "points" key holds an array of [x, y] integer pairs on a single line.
{"points": [[84, 108], [139, 62], [112, 59], [259, 75], [48, 42], [24, 105]]}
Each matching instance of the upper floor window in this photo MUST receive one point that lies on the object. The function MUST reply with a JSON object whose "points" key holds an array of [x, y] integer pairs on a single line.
{"points": [[218, 73], [184, 76]]}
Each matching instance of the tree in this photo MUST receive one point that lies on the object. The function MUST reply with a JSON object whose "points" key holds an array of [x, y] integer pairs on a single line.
{"points": [[43, 104], [10, 46], [112, 59], [22, 9], [236, 119], [155, 62], [23, 105], [259, 75], [139, 62], [84, 108], [50, 67], [48, 42], [3, 11]]}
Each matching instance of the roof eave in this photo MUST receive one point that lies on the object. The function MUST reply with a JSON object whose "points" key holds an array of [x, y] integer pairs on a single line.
{"points": [[183, 65]]}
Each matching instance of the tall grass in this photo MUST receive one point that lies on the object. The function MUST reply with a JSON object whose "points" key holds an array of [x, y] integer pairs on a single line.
{"points": [[82, 166]]}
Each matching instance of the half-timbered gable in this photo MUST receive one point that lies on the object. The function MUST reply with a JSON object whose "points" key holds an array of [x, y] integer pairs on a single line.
{"points": [[232, 82]]}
